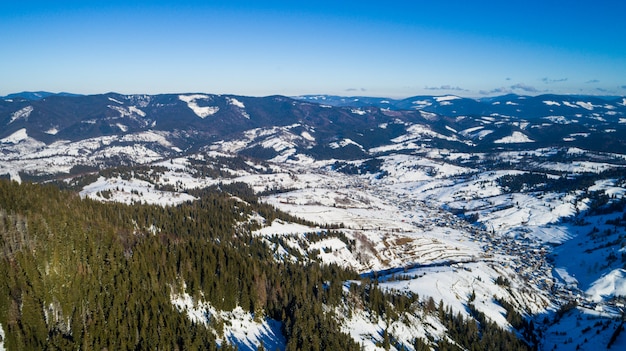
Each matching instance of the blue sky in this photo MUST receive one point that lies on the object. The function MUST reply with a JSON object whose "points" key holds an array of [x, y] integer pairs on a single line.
{"points": [[384, 48]]}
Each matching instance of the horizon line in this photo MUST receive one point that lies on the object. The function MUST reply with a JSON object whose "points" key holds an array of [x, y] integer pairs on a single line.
{"points": [[463, 96]]}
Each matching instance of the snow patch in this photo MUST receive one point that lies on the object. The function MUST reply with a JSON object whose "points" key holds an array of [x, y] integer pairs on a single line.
{"points": [[551, 103], [609, 187], [235, 102], [358, 111], [476, 132], [585, 105], [560, 120], [21, 114], [16, 137], [135, 110], [279, 227], [241, 328], [482, 134], [52, 131], [130, 191], [569, 104], [421, 103], [202, 112], [344, 143], [577, 167], [584, 135], [428, 115], [150, 136], [116, 101], [306, 135], [127, 112], [419, 131], [446, 98], [516, 137], [610, 285], [468, 131], [565, 276]]}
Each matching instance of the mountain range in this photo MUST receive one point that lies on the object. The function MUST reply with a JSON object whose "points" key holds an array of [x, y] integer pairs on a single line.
{"points": [[506, 210], [321, 126]]}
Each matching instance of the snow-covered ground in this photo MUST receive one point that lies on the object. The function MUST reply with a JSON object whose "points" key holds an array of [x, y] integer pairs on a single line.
{"points": [[582, 329], [367, 329], [21, 153], [132, 191], [398, 222], [516, 137], [401, 228], [402, 219], [240, 328], [200, 111]]}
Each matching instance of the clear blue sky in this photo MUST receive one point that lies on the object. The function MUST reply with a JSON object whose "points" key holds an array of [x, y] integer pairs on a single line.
{"points": [[382, 48]]}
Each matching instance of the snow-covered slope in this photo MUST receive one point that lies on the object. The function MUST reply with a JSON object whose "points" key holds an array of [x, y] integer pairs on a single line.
{"points": [[200, 111], [464, 208], [400, 226]]}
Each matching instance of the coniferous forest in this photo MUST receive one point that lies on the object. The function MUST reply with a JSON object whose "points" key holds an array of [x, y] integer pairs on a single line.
{"points": [[80, 274]]}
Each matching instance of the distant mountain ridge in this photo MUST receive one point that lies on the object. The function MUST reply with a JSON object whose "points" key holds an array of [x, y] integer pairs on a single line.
{"points": [[36, 95], [320, 127], [434, 103]]}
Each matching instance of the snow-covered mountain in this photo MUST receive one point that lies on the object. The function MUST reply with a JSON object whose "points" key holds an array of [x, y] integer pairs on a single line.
{"points": [[90, 129], [470, 202]]}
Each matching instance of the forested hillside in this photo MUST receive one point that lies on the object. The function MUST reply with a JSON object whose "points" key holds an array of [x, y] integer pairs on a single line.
{"points": [[80, 274]]}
